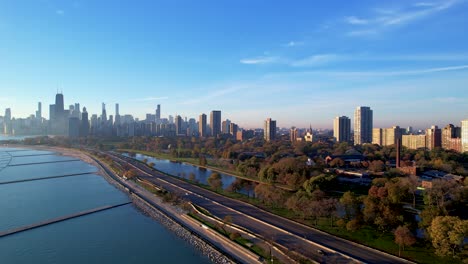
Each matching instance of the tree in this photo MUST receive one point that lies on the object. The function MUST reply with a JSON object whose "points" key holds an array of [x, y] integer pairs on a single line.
{"points": [[192, 177], [412, 183], [377, 166], [337, 162], [403, 237], [442, 194], [215, 181], [130, 174], [353, 225], [351, 205], [202, 161], [447, 234]]}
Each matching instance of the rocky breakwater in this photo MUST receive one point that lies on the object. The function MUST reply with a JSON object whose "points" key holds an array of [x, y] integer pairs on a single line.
{"points": [[206, 249]]}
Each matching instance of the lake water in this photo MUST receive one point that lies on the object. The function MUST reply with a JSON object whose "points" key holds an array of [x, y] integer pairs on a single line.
{"points": [[183, 170], [118, 235]]}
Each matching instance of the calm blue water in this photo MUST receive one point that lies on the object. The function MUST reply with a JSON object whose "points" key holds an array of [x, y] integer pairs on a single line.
{"points": [[118, 235], [183, 170]]}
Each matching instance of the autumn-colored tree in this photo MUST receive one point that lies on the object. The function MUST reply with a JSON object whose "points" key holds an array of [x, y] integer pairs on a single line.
{"points": [[215, 181], [202, 161], [377, 166], [337, 162], [351, 205], [270, 195], [298, 204], [447, 234], [130, 174], [411, 183], [353, 225], [403, 237]]}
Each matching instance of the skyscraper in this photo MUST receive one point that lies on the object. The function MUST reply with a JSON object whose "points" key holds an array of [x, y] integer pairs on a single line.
{"points": [[117, 115], [363, 123], [464, 135], [342, 128], [225, 126], [103, 114], [39, 111], [178, 123], [433, 137], [7, 127], [84, 127], [202, 125], [215, 123], [158, 114], [59, 106], [270, 130]]}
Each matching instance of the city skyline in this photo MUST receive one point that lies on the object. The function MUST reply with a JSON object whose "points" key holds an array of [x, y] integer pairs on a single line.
{"points": [[406, 60]]}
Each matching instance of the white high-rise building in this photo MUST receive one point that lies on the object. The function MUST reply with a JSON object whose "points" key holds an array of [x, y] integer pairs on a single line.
{"points": [[464, 135], [363, 123]]}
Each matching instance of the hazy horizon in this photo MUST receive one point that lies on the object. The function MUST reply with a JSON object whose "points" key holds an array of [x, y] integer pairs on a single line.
{"points": [[299, 63]]}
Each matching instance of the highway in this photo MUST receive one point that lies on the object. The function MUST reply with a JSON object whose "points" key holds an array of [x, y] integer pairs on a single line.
{"points": [[292, 235]]}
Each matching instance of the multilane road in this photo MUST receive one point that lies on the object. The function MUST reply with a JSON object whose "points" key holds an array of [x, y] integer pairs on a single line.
{"points": [[292, 235]]}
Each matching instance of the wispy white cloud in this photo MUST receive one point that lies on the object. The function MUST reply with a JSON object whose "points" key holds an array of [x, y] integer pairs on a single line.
{"points": [[294, 44], [450, 100], [353, 74], [259, 60], [357, 33], [424, 4], [151, 99], [210, 95], [325, 59], [315, 60], [356, 21], [385, 18]]}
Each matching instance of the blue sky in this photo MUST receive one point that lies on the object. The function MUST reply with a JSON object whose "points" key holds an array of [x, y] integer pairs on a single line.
{"points": [[299, 62]]}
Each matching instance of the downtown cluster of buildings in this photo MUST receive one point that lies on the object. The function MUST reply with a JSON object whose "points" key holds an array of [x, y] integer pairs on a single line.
{"points": [[450, 137], [75, 122]]}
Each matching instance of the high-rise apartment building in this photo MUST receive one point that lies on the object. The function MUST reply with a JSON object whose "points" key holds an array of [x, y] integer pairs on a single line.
{"points": [[449, 133], [215, 123], [386, 136], [433, 137], [202, 125], [293, 134], [464, 135], [414, 141], [363, 122], [342, 129], [377, 136], [269, 132]]}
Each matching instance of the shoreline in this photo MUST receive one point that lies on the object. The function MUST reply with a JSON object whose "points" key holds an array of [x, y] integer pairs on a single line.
{"points": [[214, 255]]}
